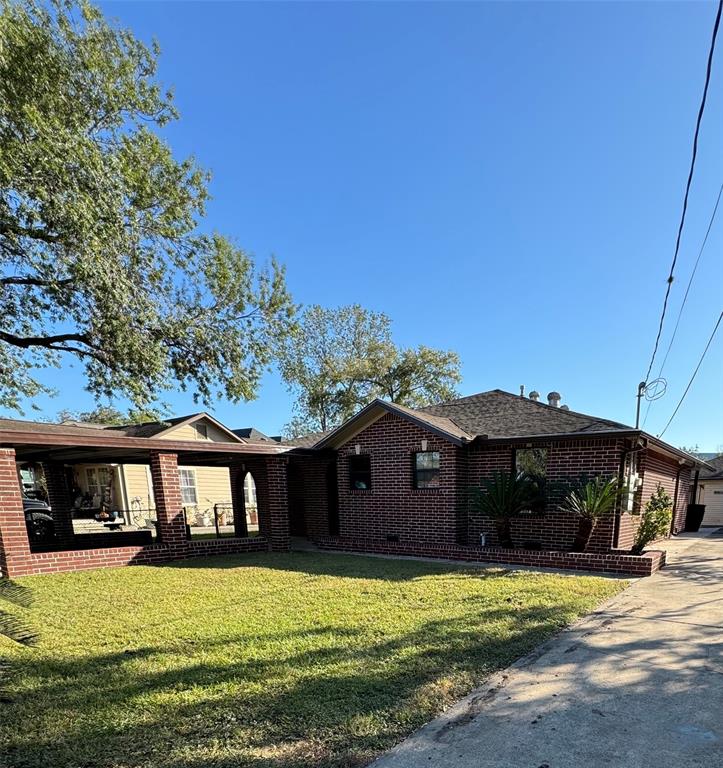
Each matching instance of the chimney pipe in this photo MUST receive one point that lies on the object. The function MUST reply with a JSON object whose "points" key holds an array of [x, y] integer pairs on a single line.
{"points": [[553, 399], [534, 395], [522, 390]]}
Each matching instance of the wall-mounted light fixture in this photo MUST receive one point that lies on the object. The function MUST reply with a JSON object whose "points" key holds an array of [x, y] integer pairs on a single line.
{"points": [[357, 449], [424, 445]]}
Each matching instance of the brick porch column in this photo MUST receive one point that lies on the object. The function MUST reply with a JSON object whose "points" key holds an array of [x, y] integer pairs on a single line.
{"points": [[237, 473], [272, 499], [169, 508], [14, 545], [278, 503], [59, 499]]}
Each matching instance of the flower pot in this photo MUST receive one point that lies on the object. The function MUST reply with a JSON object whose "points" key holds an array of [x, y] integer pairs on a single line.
{"points": [[585, 527]]}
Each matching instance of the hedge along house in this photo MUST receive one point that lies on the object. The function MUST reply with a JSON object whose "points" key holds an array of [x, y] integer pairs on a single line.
{"points": [[159, 455], [403, 476]]}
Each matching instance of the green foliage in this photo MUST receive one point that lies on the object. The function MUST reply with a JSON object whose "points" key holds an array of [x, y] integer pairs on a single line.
{"points": [[101, 255], [504, 495], [594, 499], [265, 660], [108, 414], [655, 520], [342, 359]]}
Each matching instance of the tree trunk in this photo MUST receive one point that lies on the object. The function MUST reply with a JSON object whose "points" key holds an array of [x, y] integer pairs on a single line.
{"points": [[585, 527], [504, 533]]}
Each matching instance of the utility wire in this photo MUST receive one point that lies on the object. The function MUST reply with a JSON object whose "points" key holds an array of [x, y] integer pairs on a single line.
{"points": [[680, 402], [687, 186], [685, 297]]}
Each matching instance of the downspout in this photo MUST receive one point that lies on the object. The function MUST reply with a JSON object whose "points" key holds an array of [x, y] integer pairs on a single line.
{"points": [[618, 506], [673, 530], [694, 489]]}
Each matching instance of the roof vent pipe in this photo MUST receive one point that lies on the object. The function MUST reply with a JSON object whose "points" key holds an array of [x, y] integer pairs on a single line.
{"points": [[564, 407], [534, 395], [522, 390], [553, 399]]}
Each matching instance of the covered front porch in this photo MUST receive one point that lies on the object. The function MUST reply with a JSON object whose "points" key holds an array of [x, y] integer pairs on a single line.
{"points": [[120, 534]]}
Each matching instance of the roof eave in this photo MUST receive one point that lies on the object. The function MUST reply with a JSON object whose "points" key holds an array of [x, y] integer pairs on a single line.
{"points": [[348, 425]]}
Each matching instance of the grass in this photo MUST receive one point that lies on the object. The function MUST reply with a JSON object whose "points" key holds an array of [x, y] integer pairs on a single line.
{"points": [[262, 660]]}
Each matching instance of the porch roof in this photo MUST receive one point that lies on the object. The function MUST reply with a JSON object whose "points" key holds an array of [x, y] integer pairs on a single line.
{"points": [[77, 446]]}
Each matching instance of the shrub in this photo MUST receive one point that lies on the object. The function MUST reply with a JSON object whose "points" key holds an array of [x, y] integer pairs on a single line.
{"points": [[590, 502], [501, 497], [655, 520]]}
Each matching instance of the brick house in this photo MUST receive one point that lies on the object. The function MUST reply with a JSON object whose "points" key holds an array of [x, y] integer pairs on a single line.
{"points": [[390, 480], [403, 474]]}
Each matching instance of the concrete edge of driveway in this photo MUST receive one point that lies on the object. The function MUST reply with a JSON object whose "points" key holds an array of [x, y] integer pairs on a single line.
{"points": [[467, 709]]}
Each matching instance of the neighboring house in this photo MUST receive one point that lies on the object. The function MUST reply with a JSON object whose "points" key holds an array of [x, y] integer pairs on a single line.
{"points": [[709, 490], [128, 488]]}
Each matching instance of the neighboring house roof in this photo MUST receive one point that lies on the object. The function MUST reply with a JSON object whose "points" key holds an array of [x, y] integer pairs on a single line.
{"points": [[167, 426], [251, 433], [714, 471], [498, 414], [147, 430], [305, 441]]}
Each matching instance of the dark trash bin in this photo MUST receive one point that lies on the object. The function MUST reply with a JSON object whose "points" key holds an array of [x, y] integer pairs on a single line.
{"points": [[694, 517]]}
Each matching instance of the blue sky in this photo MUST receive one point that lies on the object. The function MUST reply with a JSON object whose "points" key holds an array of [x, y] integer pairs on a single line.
{"points": [[504, 180]]}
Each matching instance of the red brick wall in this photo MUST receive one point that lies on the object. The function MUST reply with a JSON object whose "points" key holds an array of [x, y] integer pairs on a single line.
{"points": [[14, 546], [567, 461], [393, 507], [312, 479], [169, 506], [659, 469], [608, 562]]}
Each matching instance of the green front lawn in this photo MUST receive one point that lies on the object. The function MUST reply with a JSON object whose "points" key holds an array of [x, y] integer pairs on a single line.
{"points": [[263, 660]]}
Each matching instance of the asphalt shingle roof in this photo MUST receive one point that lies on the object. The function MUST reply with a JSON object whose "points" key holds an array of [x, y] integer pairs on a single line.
{"points": [[498, 414], [713, 474]]}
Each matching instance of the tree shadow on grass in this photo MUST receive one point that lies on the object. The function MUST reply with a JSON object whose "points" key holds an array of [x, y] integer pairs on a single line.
{"points": [[327, 706], [341, 565]]}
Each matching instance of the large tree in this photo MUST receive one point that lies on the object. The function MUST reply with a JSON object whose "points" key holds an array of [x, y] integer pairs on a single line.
{"points": [[341, 359], [101, 255]]}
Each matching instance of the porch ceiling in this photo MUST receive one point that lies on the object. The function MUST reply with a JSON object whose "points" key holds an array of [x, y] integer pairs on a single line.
{"points": [[79, 449]]}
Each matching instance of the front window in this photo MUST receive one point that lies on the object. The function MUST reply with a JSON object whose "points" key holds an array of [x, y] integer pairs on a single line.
{"points": [[187, 479], [360, 473], [426, 469], [98, 479], [531, 462]]}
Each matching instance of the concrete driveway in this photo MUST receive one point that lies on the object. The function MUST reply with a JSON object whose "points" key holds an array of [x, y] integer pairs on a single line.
{"points": [[637, 684]]}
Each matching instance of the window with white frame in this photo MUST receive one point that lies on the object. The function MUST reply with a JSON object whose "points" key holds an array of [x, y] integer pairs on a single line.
{"points": [[187, 478], [98, 481]]}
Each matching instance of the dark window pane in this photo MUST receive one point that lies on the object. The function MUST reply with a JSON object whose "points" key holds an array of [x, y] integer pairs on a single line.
{"points": [[426, 469], [360, 472], [531, 461]]}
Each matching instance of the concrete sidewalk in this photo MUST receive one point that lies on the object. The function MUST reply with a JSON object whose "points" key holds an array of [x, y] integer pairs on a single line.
{"points": [[638, 684]]}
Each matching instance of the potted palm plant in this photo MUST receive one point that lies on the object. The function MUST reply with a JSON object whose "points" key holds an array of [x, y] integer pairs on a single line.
{"points": [[590, 502], [501, 497]]}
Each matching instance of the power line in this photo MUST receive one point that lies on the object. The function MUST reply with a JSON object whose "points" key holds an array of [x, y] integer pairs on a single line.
{"points": [[700, 362], [687, 186], [685, 297]]}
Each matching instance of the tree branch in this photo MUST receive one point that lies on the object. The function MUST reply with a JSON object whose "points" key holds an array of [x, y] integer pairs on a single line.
{"points": [[25, 342], [20, 280]]}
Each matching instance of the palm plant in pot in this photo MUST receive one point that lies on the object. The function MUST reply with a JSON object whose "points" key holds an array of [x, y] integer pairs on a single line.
{"points": [[590, 502], [501, 497]]}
